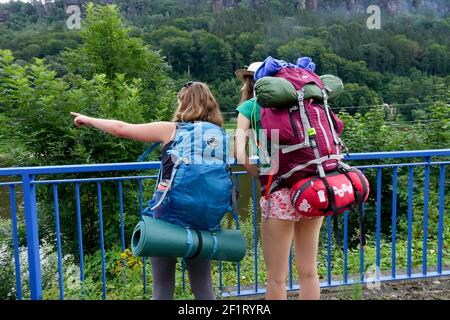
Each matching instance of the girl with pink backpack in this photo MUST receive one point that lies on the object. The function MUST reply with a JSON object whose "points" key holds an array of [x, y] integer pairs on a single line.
{"points": [[305, 172]]}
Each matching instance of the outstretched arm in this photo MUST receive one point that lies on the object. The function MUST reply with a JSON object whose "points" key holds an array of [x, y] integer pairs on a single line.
{"points": [[149, 132]]}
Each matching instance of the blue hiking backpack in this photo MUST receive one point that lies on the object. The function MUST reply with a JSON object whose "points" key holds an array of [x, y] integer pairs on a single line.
{"points": [[199, 192]]}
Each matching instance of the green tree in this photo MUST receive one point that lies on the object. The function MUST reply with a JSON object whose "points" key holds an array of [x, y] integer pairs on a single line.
{"points": [[38, 129], [243, 45], [108, 49], [215, 57], [378, 57], [295, 49], [436, 59], [228, 94], [32, 51], [178, 46]]}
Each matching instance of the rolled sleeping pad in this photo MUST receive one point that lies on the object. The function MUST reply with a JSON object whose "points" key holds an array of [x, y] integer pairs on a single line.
{"points": [[333, 85], [275, 92], [158, 238]]}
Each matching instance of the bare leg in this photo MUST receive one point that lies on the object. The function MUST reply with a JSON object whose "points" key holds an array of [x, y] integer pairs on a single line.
{"points": [[306, 246], [276, 241]]}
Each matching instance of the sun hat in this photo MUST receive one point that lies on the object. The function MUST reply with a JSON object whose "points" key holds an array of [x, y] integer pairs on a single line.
{"points": [[250, 71]]}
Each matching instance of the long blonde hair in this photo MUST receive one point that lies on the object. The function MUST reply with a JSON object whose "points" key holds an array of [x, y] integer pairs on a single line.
{"points": [[197, 103], [248, 86]]}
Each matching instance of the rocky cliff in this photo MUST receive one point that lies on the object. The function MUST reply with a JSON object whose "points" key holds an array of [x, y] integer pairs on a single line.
{"points": [[393, 6], [133, 8]]}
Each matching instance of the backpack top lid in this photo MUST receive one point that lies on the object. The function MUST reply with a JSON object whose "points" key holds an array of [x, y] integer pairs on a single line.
{"points": [[300, 77], [271, 66], [201, 143]]}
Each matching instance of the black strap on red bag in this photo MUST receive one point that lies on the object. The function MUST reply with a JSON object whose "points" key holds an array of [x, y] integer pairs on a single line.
{"points": [[359, 200], [358, 203], [332, 207]]}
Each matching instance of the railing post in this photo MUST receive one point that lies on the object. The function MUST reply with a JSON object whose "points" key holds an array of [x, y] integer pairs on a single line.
{"points": [[31, 224], [425, 216]]}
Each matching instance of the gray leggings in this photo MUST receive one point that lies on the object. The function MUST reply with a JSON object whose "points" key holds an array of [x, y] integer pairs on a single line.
{"points": [[163, 271]]}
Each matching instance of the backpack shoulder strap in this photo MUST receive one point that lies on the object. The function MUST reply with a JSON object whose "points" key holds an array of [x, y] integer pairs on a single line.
{"points": [[336, 138], [169, 185]]}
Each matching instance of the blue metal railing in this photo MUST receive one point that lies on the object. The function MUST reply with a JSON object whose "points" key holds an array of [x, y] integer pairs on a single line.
{"points": [[29, 182]]}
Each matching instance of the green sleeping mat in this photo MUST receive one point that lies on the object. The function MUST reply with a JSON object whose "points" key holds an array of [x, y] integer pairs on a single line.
{"points": [[157, 238], [274, 92]]}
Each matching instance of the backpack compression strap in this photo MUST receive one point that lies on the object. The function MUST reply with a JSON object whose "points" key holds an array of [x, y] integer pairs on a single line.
{"points": [[310, 132], [304, 116]]}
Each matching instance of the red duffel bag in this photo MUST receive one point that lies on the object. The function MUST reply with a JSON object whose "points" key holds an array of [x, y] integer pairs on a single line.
{"points": [[334, 194]]}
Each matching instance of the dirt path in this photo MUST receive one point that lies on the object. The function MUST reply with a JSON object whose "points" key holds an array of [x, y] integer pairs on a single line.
{"points": [[423, 289], [420, 289]]}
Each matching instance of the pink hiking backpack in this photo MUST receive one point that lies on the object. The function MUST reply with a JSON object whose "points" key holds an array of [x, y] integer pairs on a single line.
{"points": [[309, 144], [309, 133]]}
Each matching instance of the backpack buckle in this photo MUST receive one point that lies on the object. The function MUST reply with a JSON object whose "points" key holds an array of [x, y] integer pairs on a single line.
{"points": [[312, 132]]}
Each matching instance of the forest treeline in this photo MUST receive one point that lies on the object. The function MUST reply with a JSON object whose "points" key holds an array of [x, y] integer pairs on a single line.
{"points": [[405, 61]]}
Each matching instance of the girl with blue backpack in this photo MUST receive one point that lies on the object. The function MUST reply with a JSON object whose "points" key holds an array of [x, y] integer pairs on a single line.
{"points": [[194, 133]]}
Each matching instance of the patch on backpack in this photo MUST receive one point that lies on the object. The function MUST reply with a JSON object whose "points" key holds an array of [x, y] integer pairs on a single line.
{"points": [[213, 141]]}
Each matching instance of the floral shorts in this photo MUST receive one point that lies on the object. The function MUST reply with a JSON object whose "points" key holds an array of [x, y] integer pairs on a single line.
{"points": [[281, 207]]}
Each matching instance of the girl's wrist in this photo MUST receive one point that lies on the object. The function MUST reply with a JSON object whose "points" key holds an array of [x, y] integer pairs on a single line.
{"points": [[90, 121]]}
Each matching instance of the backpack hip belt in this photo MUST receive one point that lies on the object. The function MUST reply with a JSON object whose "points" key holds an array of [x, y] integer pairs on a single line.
{"points": [[319, 161]]}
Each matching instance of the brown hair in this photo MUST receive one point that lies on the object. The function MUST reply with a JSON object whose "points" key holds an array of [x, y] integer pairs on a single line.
{"points": [[197, 103], [248, 85]]}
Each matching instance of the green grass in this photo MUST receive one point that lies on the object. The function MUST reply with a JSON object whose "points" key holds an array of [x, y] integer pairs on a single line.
{"points": [[230, 125]]}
